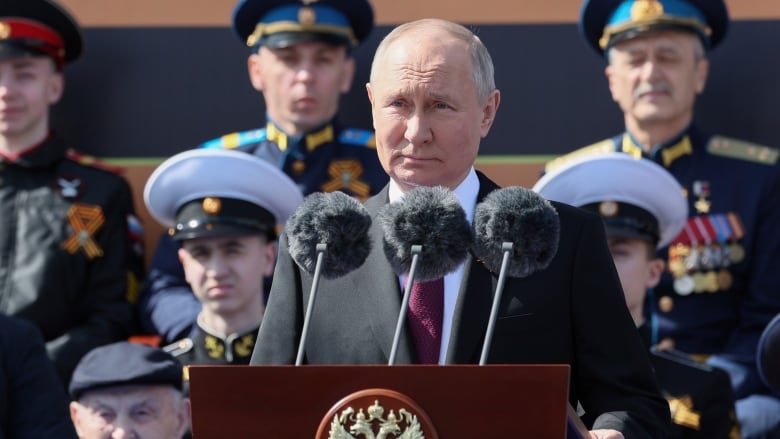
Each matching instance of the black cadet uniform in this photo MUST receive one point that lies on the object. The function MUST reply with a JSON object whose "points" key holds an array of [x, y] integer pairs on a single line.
{"points": [[65, 247], [325, 159]]}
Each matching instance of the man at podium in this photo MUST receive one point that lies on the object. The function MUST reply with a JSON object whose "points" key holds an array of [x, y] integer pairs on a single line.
{"points": [[433, 98]]}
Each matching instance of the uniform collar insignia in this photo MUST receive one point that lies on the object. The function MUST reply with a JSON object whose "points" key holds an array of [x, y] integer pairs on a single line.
{"points": [[669, 152], [312, 140]]}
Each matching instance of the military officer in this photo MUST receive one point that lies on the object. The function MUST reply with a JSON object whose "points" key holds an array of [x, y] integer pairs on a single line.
{"points": [[721, 286], [226, 224], [300, 60], [643, 208], [66, 253]]}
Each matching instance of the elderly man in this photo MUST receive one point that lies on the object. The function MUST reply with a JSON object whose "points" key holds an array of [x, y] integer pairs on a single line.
{"points": [[129, 390], [433, 99]]}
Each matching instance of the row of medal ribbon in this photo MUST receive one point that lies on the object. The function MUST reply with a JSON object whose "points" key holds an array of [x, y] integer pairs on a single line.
{"points": [[700, 256]]}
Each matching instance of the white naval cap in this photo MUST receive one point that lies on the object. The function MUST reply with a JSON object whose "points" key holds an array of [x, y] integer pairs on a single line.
{"points": [[635, 197], [210, 192]]}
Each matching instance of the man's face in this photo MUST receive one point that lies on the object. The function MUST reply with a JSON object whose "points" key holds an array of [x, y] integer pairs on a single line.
{"points": [[143, 412], [301, 84], [428, 117], [28, 86], [227, 273], [655, 77], [637, 270]]}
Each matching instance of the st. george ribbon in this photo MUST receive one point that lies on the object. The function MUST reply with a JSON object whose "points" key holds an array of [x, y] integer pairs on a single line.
{"points": [[427, 235], [516, 233], [327, 236]]}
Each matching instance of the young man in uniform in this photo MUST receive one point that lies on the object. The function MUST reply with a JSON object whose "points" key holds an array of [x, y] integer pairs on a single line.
{"points": [[66, 251], [223, 207], [300, 60]]}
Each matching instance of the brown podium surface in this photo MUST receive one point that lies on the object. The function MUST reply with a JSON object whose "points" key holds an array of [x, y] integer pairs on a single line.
{"points": [[468, 401]]}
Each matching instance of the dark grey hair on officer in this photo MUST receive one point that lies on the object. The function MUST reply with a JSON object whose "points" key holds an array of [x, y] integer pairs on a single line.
{"points": [[481, 62]]}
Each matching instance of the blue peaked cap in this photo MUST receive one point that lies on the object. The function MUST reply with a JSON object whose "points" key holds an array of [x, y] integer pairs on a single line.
{"points": [[606, 22], [282, 23]]}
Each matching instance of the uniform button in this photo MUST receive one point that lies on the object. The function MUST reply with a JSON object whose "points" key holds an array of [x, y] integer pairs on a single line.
{"points": [[665, 304]]}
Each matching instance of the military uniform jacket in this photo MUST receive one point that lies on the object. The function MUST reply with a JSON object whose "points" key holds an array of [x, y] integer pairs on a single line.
{"points": [[33, 403], [330, 158], [726, 284], [208, 347], [64, 247], [326, 159]]}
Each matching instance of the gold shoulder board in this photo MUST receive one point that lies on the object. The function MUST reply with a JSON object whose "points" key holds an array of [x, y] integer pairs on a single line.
{"points": [[742, 150], [603, 147]]}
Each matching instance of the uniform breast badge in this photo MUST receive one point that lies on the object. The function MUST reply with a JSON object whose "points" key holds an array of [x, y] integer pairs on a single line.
{"points": [[702, 190], [69, 187], [86, 220], [683, 259]]}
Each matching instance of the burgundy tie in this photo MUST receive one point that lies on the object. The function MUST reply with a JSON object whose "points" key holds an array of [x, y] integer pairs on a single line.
{"points": [[426, 311]]}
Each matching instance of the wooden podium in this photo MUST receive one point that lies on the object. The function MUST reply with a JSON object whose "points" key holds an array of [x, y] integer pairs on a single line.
{"points": [[445, 402]]}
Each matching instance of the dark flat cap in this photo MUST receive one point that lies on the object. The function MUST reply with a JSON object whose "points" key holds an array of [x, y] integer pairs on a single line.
{"points": [[124, 363]]}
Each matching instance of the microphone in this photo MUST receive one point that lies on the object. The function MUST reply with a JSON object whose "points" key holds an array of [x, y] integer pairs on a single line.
{"points": [[516, 233], [426, 234], [327, 236]]}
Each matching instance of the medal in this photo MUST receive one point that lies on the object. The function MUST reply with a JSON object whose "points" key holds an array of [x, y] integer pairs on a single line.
{"points": [[707, 258], [711, 282], [736, 252], [699, 282], [677, 267], [724, 279], [684, 285]]}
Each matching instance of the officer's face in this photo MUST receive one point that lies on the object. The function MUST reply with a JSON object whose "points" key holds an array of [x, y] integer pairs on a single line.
{"points": [[428, 117], [637, 269], [655, 78], [142, 412], [227, 273], [28, 86], [302, 83]]}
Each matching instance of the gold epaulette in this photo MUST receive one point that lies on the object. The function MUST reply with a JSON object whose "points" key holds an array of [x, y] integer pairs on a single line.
{"points": [[92, 161], [603, 147], [742, 150]]}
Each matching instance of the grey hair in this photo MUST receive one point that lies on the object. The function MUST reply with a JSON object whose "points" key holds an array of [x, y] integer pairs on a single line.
{"points": [[481, 62]]}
